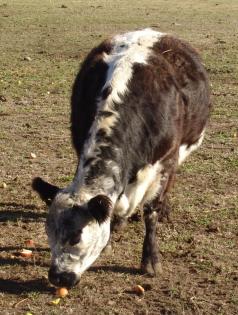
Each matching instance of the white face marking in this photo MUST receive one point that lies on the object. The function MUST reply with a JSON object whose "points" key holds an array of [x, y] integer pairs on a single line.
{"points": [[94, 239], [78, 258], [185, 151]]}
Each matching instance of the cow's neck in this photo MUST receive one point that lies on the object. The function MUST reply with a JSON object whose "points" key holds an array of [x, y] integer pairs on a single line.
{"points": [[99, 175]]}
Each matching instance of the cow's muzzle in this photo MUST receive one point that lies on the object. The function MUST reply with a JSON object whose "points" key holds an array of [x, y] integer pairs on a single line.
{"points": [[62, 279]]}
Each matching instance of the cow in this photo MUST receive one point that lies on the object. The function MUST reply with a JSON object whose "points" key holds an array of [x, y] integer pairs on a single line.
{"points": [[140, 105]]}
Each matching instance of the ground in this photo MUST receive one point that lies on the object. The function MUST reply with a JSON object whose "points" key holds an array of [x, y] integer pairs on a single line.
{"points": [[42, 46]]}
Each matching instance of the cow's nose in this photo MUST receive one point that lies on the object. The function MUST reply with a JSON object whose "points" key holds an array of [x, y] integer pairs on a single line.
{"points": [[62, 279]]}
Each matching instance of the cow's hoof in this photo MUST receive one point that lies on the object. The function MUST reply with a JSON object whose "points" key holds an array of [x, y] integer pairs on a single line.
{"points": [[153, 269], [164, 214], [118, 224], [108, 249]]}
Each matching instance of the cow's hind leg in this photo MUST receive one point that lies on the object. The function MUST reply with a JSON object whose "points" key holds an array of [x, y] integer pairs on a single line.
{"points": [[164, 211], [162, 204], [150, 256]]}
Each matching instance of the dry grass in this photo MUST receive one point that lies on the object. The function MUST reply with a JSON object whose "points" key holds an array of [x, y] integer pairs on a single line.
{"points": [[199, 250]]}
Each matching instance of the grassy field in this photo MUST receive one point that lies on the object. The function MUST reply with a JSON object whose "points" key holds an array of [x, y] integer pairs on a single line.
{"points": [[42, 46]]}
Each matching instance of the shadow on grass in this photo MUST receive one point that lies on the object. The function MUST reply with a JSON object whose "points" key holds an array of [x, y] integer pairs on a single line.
{"points": [[15, 212], [23, 263], [36, 259], [16, 249], [21, 286], [116, 269]]}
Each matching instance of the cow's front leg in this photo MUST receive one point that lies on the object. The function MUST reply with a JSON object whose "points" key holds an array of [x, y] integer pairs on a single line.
{"points": [[117, 224], [150, 262]]}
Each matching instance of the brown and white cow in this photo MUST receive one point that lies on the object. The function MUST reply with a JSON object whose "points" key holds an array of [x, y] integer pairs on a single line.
{"points": [[140, 105]]}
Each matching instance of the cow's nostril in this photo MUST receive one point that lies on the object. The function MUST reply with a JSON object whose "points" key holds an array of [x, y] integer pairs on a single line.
{"points": [[62, 279], [68, 279]]}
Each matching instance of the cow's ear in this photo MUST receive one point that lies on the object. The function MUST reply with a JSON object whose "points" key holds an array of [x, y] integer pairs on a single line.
{"points": [[100, 207], [45, 190]]}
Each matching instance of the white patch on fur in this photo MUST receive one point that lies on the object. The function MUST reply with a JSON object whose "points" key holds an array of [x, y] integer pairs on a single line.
{"points": [[154, 189], [143, 189], [94, 238], [128, 49], [122, 206], [185, 151], [107, 123]]}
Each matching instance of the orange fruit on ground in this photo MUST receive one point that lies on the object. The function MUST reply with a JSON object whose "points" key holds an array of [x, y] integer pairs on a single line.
{"points": [[26, 253], [62, 292]]}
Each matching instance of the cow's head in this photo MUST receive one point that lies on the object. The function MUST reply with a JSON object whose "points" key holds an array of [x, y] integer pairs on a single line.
{"points": [[76, 233]]}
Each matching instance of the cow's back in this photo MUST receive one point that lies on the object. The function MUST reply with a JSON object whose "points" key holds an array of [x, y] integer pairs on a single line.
{"points": [[155, 86], [193, 83]]}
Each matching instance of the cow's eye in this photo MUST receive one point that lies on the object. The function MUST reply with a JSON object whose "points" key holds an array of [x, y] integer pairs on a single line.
{"points": [[75, 238]]}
